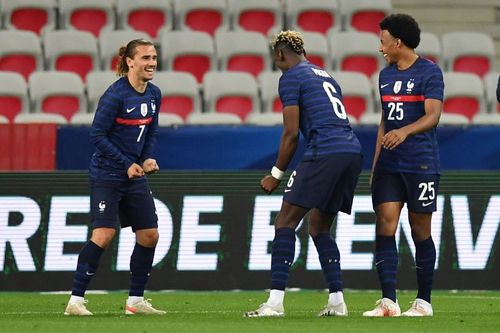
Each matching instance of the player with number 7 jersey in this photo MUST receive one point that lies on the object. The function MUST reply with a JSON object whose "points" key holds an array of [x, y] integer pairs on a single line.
{"points": [[124, 133], [325, 179]]}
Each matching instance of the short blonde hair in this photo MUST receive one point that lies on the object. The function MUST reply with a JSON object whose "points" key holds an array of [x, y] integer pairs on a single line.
{"points": [[291, 38]]}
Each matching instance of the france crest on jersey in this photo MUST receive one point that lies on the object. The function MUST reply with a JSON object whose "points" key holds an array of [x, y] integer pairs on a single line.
{"points": [[402, 94]]}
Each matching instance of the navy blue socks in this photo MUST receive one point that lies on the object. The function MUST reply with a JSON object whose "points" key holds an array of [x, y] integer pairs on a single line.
{"points": [[386, 261], [141, 262], [283, 251], [88, 261], [425, 260], [329, 257]]}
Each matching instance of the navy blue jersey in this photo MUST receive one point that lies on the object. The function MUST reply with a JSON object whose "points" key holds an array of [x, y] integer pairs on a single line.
{"points": [[402, 94], [124, 129], [323, 119]]}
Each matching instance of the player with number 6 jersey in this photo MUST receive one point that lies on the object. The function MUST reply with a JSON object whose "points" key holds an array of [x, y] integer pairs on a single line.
{"points": [[406, 162], [324, 181]]}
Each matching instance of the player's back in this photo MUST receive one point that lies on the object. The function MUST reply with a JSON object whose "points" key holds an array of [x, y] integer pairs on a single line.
{"points": [[323, 118]]}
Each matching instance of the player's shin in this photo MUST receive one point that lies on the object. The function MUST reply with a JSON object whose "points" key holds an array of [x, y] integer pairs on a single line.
{"points": [[141, 262], [386, 261], [424, 263], [283, 251], [88, 261]]}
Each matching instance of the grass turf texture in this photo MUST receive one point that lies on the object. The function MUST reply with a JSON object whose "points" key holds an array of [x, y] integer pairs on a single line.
{"points": [[223, 312]]}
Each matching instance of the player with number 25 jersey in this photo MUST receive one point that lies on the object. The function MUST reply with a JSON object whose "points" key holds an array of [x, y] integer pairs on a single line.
{"points": [[406, 161]]}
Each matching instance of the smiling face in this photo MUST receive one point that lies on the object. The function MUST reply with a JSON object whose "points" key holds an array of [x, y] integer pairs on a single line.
{"points": [[390, 47], [143, 64]]}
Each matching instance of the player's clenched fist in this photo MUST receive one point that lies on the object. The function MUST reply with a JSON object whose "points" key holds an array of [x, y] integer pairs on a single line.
{"points": [[150, 166]]}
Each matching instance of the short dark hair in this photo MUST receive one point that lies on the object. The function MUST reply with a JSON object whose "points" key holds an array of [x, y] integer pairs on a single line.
{"points": [[404, 27]]}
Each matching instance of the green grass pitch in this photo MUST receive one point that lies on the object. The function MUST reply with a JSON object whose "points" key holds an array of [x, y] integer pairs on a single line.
{"points": [[459, 312]]}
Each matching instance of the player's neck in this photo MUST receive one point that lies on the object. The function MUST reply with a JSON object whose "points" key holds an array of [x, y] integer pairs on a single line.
{"points": [[138, 85], [407, 60]]}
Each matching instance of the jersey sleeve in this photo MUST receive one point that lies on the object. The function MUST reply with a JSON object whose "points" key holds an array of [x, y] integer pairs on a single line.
{"points": [[104, 119], [289, 89], [434, 84], [150, 140]]}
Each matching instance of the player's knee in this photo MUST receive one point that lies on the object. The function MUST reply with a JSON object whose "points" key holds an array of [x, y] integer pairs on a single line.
{"points": [[386, 225], [148, 238], [316, 229], [103, 236]]}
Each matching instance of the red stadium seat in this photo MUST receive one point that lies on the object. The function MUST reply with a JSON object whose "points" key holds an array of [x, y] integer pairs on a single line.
{"points": [[188, 51], [13, 95], [21, 52], [463, 94], [180, 93], [57, 92], [231, 92], [243, 51], [37, 16], [148, 16], [355, 51], [87, 15], [313, 15], [364, 15], [263, 16], [202, 15], [71, 50], [470, 52], [316, 46]]}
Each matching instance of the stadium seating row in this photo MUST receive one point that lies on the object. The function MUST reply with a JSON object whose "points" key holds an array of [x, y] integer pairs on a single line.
{"points": [[151, 16], [197, 52], [225, 97]]}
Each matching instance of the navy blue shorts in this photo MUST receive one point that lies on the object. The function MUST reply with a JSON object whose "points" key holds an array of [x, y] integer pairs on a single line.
{"points": [[131, 201], [419, 191], [326, 183]]}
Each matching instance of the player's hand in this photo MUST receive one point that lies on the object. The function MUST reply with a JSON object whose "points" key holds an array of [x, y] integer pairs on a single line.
{"points": [[150, 166], [135, 171], [393, 138], [269, 184]]}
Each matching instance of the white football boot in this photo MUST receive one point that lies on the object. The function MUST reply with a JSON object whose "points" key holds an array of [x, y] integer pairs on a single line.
{"points": [[77, 308], [384, 307], [266, 310], [142, 307], [334, 310], [419, 308]]}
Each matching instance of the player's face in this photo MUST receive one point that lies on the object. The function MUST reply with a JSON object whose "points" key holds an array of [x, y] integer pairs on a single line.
{"points": [[143, 65], [389, 46], [279, 59]]}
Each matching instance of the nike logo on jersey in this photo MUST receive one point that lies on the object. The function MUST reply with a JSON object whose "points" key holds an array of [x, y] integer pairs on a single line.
{"points": [[384, 85], [379, 262], [286, 190], [131, 109], [89, 273], [425, 204]]}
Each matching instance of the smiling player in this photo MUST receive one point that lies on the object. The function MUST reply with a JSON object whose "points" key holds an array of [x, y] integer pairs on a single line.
{"points": [[406, 161]]}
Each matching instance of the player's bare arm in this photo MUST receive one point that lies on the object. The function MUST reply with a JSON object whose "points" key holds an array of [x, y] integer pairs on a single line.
{"points": [[150, 166], [288, 146], [378, 145], [395, 137]]}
